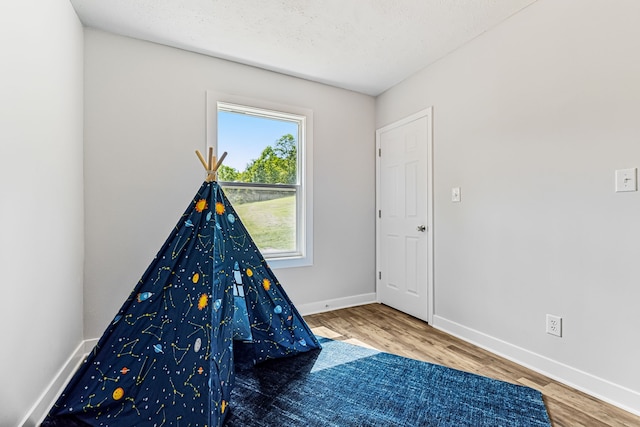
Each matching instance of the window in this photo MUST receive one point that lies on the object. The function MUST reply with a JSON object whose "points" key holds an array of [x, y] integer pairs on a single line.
{"points": [[266, 174]]}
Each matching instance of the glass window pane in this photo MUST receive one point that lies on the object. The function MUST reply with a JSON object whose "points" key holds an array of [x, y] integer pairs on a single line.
{"points": [[268, 214], [262, 148], [259, 149]]}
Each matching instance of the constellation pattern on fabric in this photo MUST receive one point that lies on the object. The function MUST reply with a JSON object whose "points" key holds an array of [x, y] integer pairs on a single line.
{"points": [[167, 357]]}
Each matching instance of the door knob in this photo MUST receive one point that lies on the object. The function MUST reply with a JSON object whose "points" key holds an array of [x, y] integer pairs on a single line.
{"points": [[421, 228]]}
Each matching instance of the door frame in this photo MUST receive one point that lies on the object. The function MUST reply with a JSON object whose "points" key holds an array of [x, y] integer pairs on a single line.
{"points": [[428, 113]]}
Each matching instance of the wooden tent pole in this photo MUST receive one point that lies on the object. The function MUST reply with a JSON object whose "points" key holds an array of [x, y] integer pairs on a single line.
{"points": [[217, 166], [211, 166], [204, 163]]}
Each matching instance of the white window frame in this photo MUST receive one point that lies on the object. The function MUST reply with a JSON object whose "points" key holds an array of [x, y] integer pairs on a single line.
{"points": [[304, 200]]}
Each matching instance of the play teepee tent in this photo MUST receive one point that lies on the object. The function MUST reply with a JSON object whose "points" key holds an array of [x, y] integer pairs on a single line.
{"points": [[167, 358]]}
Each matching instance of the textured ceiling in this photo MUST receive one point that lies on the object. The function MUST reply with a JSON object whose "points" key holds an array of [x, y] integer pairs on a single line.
{"points": [[362, 45]]}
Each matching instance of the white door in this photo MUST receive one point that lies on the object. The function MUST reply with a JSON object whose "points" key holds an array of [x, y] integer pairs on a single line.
{"points": [[404, 223]]}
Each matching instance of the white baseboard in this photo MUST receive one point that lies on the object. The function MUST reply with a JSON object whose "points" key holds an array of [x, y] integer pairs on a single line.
{"points": [[605, 390], [335, 304], [40, 409]]}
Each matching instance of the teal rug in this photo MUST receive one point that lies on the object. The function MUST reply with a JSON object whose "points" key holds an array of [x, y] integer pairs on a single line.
{"points": [[345, 385]]}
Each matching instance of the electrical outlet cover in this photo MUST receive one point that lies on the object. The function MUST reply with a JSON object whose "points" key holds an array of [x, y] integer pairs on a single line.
{"points": [[554, 325]]}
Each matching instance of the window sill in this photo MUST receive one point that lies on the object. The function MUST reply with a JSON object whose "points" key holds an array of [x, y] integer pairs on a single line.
{"points": [[289, 262]]}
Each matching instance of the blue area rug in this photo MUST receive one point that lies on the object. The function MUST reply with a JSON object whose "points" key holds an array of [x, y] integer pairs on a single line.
{"points": [[346, 385]]}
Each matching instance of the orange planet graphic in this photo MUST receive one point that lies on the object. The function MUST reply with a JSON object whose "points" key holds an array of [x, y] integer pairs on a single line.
{"points": [[195, 278], [201, 205], [118, 393], [249, 272], [202, 302], [266, 284], [124, 371]]}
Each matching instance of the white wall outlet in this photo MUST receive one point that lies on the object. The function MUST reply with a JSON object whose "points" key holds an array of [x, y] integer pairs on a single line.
{"points": [[455, 194], [626, 180], [554, 325]]}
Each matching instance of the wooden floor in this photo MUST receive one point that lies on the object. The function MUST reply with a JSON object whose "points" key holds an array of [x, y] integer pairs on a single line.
{"points": [[391, 331]]}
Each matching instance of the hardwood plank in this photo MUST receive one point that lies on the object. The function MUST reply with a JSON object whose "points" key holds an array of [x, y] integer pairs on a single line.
{"points": [[389, 330]]}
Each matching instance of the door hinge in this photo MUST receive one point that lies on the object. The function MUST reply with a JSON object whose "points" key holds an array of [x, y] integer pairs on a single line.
{"points": [[379, 152], [379, 275], [379, 213]]}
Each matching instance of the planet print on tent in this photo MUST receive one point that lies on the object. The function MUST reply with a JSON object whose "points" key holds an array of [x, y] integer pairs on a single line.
{"points": [[144, 296], [219, 208], [202, 302], [201, 205], [118, 393]]}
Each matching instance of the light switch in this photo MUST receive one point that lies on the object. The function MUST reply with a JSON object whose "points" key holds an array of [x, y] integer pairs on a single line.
{"points": [[455, 194], [626, 180]]}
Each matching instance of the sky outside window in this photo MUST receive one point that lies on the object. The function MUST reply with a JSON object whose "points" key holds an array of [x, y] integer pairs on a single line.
{"points": [[244, 136]]}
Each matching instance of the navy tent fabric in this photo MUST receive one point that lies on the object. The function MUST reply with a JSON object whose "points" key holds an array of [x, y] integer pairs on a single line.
{"points": [[167, 358]]}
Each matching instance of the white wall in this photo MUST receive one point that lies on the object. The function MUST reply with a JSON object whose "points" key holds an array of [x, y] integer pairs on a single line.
{"points": [[531, 119], [41, 205], [145, 116]]}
